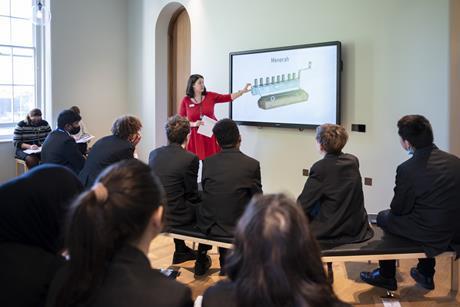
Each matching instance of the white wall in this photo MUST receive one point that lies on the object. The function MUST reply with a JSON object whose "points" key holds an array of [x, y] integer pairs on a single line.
{"points": [[396, 57], [89, 58], [89, 49]]}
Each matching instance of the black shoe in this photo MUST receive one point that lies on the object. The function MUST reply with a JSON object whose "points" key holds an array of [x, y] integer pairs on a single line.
{"points": [[187, 255], [374, 278], [422, 280], [202, 265]]}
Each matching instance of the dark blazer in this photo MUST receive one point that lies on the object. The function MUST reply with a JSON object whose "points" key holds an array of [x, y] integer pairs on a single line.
{"points": [[426, 201], [60, 148], [223, 294], [177, 170], [105, 152], [130, 281], [229, 179], [333, 200], [26, 274]]}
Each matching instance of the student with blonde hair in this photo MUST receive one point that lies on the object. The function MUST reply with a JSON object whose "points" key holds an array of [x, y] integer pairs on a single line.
{"points": [[332, 197]]}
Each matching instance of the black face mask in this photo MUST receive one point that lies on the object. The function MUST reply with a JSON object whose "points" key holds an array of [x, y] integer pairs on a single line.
{"points": [[74, 130]]}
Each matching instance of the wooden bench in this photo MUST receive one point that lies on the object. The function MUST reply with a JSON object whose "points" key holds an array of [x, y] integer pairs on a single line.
{"points": [[191, 233], [20, 163], [382, 246]]}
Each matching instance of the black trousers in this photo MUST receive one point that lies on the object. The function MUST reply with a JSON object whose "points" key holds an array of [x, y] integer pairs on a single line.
{"points": [[388, 267]]}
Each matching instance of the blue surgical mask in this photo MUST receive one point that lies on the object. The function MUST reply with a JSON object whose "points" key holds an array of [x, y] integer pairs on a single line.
{"points": [[410, 151]]}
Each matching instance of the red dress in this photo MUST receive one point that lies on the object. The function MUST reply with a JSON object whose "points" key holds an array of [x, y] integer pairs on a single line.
{"points": [[199, 144]]}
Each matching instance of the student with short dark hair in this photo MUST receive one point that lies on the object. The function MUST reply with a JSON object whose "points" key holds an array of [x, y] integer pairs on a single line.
{"points": [[60, 147], [82, 133], [425, 206], [230, 179], [177, 169], [32, 212], [332, 197], [275, 261], [30, 134], [112, 148], [109, 233]]}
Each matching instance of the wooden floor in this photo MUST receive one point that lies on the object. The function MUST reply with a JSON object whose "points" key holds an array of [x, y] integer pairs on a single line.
{"points": [[347, 284]]}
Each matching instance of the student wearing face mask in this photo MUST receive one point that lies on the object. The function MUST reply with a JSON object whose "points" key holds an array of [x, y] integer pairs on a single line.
{"points": [[30, 134], [112, 148], [60, 147]]}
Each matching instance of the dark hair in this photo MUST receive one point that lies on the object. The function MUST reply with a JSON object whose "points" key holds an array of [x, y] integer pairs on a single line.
{"points": [[75, 109], [332, 137], [97, 227], [67, 117], [227, 133], [125, 126], [177, 128], [416, 129], [276, 260], [33, 112], [190, 83]]}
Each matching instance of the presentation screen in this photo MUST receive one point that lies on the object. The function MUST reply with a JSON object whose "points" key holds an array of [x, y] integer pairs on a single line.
{"points": [[297, 86]]}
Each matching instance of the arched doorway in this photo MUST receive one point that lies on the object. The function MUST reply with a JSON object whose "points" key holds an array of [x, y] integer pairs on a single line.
{"points": [[179, 59], [172, 63]]}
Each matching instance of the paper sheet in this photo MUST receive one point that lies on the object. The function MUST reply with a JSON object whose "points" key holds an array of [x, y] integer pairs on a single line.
{"points": [[85, 138], [32, 151], [206, 129]]}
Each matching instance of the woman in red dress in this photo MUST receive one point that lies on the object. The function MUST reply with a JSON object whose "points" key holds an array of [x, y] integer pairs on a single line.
{"points": [[197, 104]]}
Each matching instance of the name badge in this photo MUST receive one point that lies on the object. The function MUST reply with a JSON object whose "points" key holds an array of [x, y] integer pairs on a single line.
{"points": [[192, 105]]}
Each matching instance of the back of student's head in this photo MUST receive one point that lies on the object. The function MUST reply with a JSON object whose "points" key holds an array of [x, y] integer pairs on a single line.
{"points": [[115, 212], [76, 109], [415, 129], [227, 133], [177, 128], [331, 137], [276, 261], [126, 126], [67, 117], [33, 113]]}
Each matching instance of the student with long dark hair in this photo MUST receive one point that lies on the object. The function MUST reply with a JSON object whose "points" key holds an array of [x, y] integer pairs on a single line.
{"points": [[32, 213], [109, 232], [275, 261]]}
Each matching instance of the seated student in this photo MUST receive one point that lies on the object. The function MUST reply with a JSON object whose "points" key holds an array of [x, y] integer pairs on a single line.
{"points": [[108, 238], [111, 149], [275, 261], [425, 206], [30, 134], [333, 197], [32, 211], [59, 147], [177, 169], [229, 179], [82, 133]]}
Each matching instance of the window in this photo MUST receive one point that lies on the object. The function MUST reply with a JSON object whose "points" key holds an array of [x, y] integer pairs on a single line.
{"points": [[20, 64]]}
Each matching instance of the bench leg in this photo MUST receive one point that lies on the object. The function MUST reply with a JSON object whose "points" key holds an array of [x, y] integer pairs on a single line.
{"points": [[454, 275], [330, 273]]}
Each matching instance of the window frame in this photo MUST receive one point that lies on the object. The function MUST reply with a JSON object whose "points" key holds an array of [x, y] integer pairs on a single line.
{"points": [[39, 45]]}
